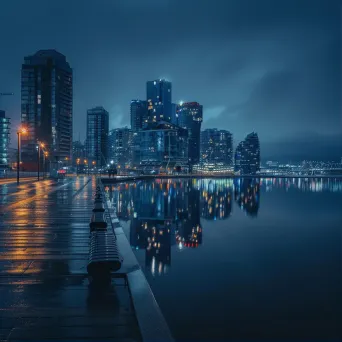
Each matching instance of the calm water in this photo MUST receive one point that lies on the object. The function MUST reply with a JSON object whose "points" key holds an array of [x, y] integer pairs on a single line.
{"points": [[240, 259]]}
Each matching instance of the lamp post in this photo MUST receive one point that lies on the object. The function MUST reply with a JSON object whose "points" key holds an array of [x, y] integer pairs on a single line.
{"points": [[67, 164], [38, 159], [40, 145], [78, 163], [20, 131], [86, 165], [45, 156]]}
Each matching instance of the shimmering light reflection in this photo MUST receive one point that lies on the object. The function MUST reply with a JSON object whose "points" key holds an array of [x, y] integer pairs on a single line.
{"points": [[168, 212]]}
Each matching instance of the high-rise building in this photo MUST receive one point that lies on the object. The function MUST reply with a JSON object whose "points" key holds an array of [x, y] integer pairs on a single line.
{"points": [[79, 154], [189, 115], [46, 106], [164, 145], [174, 115], [247, 155], [159, 101], [138, 114], [5, 124], [135, 148], [120, 143], [217, 147], [97, 136]]}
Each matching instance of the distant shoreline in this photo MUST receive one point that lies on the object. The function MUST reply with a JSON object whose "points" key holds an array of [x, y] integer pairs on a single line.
{"points": [[147, 177]]}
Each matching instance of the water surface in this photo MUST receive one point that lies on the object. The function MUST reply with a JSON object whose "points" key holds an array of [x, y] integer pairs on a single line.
{"points": [[241, 259]]}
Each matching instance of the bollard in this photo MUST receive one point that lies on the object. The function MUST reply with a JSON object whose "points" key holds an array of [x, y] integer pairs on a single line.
{"points": [[98, 196], [104, 256], [98, 221], [98, 207]]}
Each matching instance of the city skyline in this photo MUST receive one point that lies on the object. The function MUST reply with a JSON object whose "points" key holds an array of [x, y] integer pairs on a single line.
{"points": [[281, 80]]}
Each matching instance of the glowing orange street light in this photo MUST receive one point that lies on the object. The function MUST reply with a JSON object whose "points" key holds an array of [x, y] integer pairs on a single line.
{"points": [[22, 130], [94, 162]]}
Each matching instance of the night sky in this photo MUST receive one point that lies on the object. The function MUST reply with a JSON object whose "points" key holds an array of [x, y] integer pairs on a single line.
{"points": [[272, 66]]}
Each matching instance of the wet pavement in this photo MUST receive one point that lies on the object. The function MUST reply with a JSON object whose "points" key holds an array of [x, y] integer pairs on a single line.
{"points": [[44, 288]]}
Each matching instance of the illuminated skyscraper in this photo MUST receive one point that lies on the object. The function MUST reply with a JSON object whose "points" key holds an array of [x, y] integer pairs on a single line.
{"points": [[120, 143], [217, 147], [46, 106], [174, 116], [247, 155], [159, 101], [97, 136], [189, 115], [78, 152], [164, 145], [138, 114], [4, 139]]}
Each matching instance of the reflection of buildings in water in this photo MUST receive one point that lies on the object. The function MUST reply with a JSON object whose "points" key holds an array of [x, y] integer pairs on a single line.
{"points": [[156, 237], [216, 198], [189, 236], [247, 195], [164, 213], [121, 198], [158, 250], [188, 225]]}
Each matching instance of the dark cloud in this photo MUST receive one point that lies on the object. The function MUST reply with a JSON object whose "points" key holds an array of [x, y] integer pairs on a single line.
{"points": [[304, 146], [270, 66]]}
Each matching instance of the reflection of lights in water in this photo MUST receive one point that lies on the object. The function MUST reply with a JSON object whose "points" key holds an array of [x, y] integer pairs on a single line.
{"points": [[153, 265]]}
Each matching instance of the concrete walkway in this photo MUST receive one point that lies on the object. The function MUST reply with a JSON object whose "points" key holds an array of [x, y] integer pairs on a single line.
{"points": [[44, 288]]}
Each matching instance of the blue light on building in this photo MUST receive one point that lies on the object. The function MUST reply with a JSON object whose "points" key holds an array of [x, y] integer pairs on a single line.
{"points": [[4, 139]]}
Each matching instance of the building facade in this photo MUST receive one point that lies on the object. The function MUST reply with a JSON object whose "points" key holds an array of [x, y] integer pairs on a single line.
{"points": [[5, 126], [138, 114], [174, 115], [97, 136], [120, 147], [247, 155], [46, 106], [159, 101], [217, 147], [189, 115], [164, 146], [79, 153]]}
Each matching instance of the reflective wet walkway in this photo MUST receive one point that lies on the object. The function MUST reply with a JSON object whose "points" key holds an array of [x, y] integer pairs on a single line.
{"points": [[44, 289]]}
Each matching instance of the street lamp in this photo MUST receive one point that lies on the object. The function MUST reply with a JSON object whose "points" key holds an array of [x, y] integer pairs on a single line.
{"points": [[40, 145], [21, 130], [78, 163], [45, 156], [86, 163]]}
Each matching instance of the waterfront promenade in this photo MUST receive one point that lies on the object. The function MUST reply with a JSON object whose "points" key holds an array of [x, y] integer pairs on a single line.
{"points": [[44, 287]]}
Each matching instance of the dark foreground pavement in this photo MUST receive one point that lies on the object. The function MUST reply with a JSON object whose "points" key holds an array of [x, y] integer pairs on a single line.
{"points": [[44, 289]]}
